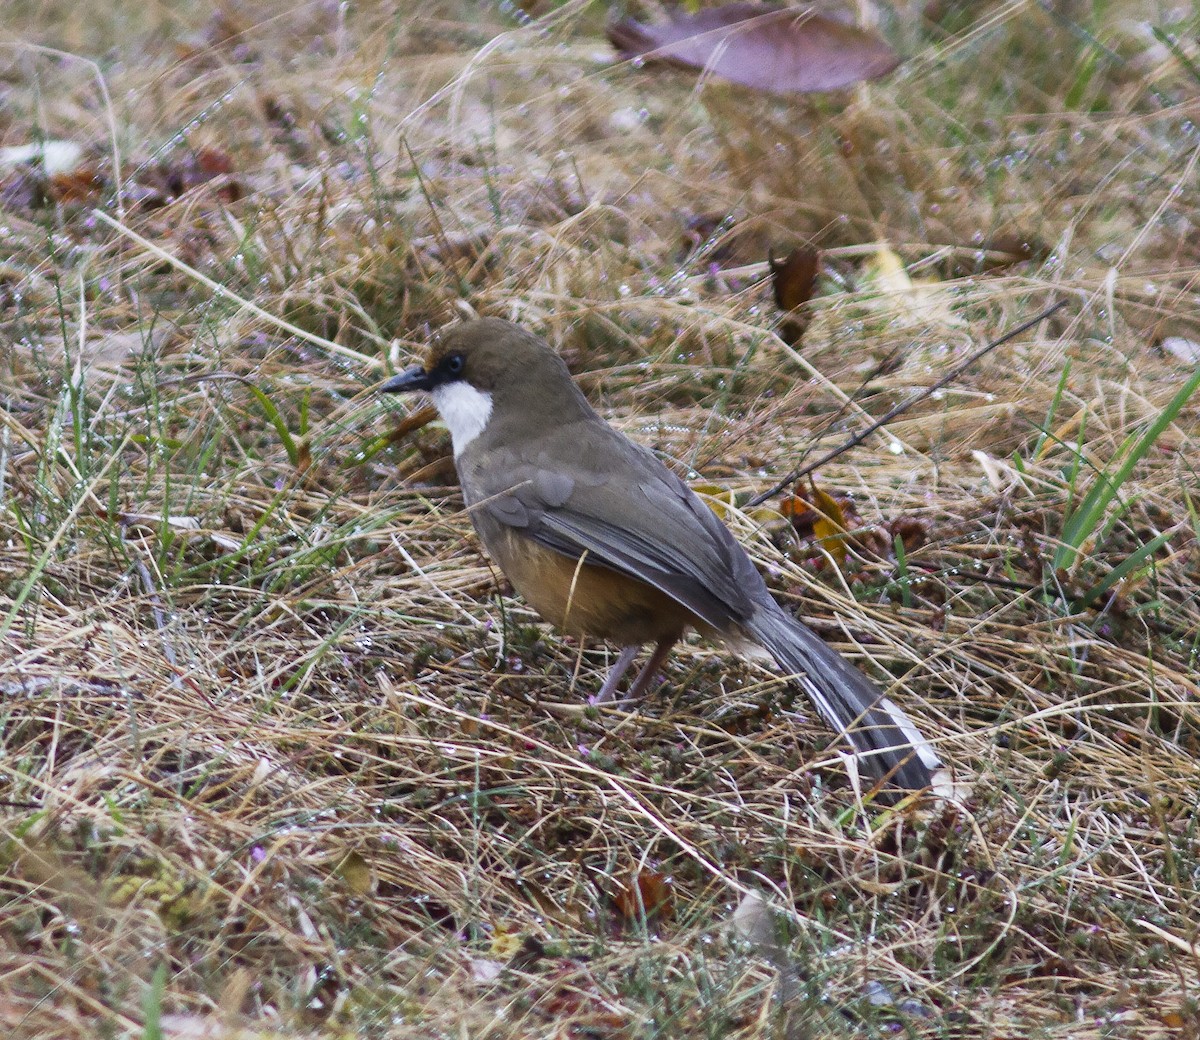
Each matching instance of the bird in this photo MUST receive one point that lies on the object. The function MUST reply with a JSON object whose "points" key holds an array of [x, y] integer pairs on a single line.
{"points": [[606, 542]]}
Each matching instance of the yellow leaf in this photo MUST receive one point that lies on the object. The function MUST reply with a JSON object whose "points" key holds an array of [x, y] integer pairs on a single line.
{"points": [[720, 500], [357, 873], [764, 515], [829, 528], [908, 301], [505, 943], [885, 271]]}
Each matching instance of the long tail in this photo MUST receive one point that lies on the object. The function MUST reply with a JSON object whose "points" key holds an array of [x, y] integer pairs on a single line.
{"points": [[890, 747]]}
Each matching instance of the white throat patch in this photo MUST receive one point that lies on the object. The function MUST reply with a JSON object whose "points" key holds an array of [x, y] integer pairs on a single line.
{"points": [[464, 410]]}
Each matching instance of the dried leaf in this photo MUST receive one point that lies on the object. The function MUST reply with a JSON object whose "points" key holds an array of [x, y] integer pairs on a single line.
{"points": [[55, 175], [913, 533], [765, 516], [84, 184], [910, 301], [645, 894], [781, 50], [820, 515], [357, 873], [794, 278], [720, 500]]}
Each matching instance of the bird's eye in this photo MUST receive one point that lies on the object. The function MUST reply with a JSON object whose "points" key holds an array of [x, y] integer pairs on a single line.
{"points": [[454, 364]]}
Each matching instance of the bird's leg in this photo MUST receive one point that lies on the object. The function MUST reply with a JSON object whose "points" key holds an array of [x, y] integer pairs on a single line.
{"points": [[650, 668], [628, 653]]}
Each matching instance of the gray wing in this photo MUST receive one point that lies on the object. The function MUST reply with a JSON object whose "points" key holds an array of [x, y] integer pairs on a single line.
{"points": [[635, 517]]}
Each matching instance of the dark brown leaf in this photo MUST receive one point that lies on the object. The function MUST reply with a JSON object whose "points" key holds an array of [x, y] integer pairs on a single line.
{"points": [[781, 50], [794, 278]]}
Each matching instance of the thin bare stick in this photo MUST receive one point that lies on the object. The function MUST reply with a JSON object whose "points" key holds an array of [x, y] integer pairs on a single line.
{"points": [[862, 435]]}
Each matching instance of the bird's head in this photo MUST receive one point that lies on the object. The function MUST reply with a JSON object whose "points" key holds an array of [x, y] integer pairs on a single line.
{"points": [[491, 371]]}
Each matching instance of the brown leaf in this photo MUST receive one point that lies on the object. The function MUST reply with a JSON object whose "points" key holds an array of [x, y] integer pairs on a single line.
{"points": [[83, 185], [781, 50], [645, 894], [794, 278]]}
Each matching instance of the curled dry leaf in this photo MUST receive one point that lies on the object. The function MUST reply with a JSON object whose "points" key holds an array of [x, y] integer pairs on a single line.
{"points": [[58, 175], [781, 50], [646, 893], [794, 280], [820, 514]]}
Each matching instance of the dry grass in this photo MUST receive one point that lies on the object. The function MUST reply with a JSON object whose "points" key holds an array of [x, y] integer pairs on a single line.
{"points": [[281, 758]]}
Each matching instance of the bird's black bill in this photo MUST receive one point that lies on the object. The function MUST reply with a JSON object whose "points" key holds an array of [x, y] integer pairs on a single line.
{"points": [[412, 378]]}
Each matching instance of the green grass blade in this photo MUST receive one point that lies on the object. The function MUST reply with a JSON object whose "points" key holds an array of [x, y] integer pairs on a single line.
{"points": [[1084, 520], [276, 420], [1125, 567]]}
